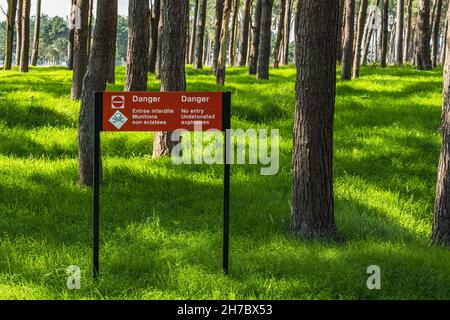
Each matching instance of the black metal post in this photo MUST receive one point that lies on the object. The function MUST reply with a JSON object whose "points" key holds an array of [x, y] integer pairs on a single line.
{"points": [[226, 124], [96, 184]]}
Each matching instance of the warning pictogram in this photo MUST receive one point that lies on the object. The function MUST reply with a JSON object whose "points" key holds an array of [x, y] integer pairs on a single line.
{"points": [[118, 119], [118, 102]]}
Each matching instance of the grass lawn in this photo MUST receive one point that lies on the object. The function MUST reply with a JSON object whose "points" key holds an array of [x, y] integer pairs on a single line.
{"points": [[161, 231]]}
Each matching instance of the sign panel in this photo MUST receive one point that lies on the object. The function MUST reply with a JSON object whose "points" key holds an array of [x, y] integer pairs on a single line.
{"points": [[161, 111]]}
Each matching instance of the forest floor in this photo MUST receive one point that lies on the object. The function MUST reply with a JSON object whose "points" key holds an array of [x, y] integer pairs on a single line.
{"points": [[161, 223]]}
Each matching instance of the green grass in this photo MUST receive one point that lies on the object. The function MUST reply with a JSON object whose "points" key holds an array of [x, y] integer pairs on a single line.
{"points": [[161, 223]]}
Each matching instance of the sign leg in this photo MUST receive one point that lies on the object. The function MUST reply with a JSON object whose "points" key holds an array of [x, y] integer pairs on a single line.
{"points": [[96, 188]]}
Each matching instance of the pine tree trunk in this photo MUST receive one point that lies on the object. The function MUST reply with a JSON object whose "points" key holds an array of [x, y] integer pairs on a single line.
{"points": [[12, 12], [25, 47], [347, 48], [19, 31], [264, 46], [369, 32], [217, 33], [435, 32], [441, 219], [312, 191], [340, 28], [158, 49], [112, 67], [200, 37], [423, 50], [359, 35], [276, 51], [95, 80], [245, 26], [71, 44], [286, 33], [384, 32], [232, 51], [408, 34], [90, 18], [37, 28], [254, 52], [444, 43], [221, 62], [173, 76], [136, 76], [194, 32], [80, 56], [153, 46], [399, 32]]}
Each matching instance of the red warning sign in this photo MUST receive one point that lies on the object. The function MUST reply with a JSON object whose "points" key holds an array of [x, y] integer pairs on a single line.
{"points": [[161, 111]]}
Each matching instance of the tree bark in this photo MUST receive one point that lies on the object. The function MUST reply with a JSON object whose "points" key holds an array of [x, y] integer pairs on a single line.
{"points": [[435, 32], [221, 63], [11, 21], [198, 57], [441, 219], [312, 185], [194, 32], [347, 48], [71, 44], [217, 33], [286, 33], [254, 52], [264, 45], [359, 35], [276, 51], [158, 50], [25, 39], [90, 18], [384, 32], [444, 44], [80, 56], [339, 35], [173, 76], [406, 55], [19, 31], [37, 28], [423, 50], [245, 26], [399, 32], [95, 80], [112, 66], [232, 54], [136, 76], [153, 46]]}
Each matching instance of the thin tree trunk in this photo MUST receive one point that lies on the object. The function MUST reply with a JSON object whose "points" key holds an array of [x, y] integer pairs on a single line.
{"points": [[153, 46], [245, 26], [173, 76], [369, 32], [37, 28], [221, 62], [232, 54], [423, 50], [25, 47], [112, 67], [276, 51], [95, 80], [441, 219], [359, 35], [347, 49], [19, 31], [90, 18], [217, 33], [384, 32], [12, 12], [399, 32], [158, 53], [80, 56], [408, 32], [264, 46], [391, 47], [339, 34], [312, 161], [71, 44], [254, 52], [136, 77], [444, 42], [194, 32], [198, 57], [286, 33], [435, 32]]}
